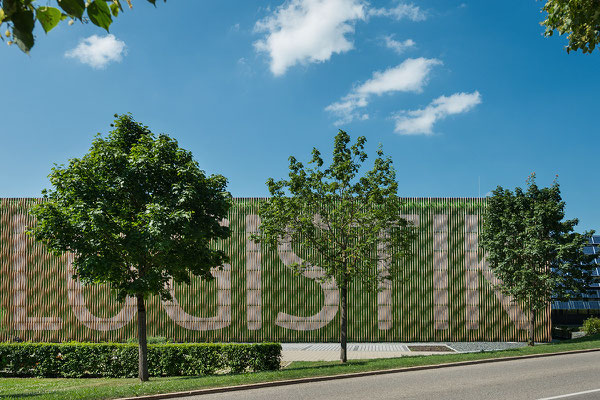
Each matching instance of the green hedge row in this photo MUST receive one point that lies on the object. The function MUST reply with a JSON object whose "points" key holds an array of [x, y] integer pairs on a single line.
{"points": [[75, 360]]}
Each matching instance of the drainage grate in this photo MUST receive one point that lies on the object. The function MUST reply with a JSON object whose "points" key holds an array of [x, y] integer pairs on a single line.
{"points": [[430, 348]]}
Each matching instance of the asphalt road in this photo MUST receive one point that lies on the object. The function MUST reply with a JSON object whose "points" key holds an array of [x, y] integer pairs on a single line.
{"points": [[540, 378]]}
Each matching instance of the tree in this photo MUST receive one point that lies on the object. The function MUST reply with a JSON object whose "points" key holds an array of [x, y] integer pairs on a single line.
{"points": [[135, 211], [579, 19], [20, 16], [536, 255], [350, 226]]}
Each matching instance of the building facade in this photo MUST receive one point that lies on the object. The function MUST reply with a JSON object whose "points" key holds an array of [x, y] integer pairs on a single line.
{"points": [[578, 309], [445, 291]]}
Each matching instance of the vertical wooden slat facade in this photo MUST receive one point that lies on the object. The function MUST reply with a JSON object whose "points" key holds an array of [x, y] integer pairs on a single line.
{"points": [[445, 291]]}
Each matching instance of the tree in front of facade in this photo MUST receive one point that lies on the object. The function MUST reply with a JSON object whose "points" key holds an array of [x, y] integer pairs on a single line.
{"points": [[18, 17], [347, 224], [531, 248], [135, 211], [578, 19]]}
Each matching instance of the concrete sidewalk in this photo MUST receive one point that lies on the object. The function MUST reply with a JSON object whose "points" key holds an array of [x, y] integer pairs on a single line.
{"points": [[331, 351]]}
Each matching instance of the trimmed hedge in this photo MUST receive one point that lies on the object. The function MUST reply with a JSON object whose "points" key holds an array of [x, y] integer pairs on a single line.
{"points": [[120, 360]]}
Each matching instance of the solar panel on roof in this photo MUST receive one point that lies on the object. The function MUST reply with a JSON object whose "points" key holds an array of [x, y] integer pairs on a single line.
{"points": [[559, 305]]}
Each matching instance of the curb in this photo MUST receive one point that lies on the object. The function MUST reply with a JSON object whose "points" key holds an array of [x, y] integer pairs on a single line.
{"points": [[287, 382]]}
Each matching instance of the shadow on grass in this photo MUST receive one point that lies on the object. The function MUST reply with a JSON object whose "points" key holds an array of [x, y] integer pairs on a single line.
{"points": [[583, 339], [319, 366]]}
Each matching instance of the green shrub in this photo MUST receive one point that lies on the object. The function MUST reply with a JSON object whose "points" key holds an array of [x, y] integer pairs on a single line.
{"points": [[591, 326], [120, 360], [151, 340]]}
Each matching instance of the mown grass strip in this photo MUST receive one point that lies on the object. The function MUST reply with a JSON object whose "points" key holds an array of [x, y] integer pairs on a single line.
{"points": [[15, 388]]}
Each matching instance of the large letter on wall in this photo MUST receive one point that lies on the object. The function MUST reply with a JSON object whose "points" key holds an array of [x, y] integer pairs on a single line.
{"points": [[223, 317], [253, 283], [83, 314], [384, 296], [329, 310], [440, 271], [19, 262], [471, 272], [515, 313]]}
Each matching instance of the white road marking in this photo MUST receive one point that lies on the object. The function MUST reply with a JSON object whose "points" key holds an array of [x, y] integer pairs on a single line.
{"points": [[563, 396]]}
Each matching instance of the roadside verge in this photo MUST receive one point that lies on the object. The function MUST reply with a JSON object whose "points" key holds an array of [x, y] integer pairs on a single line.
{"points": [[349, 375]]}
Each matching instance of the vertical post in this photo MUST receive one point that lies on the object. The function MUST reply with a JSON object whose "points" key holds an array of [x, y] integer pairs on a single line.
{"points": [[531, 341], [471, 272], [440, 271], [142, 342], [23, 322], [344, 327], [253, 278]]}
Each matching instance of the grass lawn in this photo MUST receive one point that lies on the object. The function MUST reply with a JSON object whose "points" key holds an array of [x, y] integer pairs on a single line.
{"points": [[105, 388]]}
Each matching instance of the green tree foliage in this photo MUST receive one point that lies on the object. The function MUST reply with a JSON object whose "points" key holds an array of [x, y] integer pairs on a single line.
{"points": [[349, 225], [578, 19], [18, 17], [135, 211], [536, 255], [591, 326]]}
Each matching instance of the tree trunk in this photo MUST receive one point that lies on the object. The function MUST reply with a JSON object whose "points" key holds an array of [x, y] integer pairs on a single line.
{"points": [[344, 327], [531, 341], [142, 343]]}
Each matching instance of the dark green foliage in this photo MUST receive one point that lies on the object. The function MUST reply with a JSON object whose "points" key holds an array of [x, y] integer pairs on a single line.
{"points": [[578, 19], [537, 256], [135, 212], [562, 332], [152, 340], [19, 16], [116, 360]]}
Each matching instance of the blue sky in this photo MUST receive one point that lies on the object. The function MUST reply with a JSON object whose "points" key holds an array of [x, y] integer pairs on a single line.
{"points": [[457, 92]]}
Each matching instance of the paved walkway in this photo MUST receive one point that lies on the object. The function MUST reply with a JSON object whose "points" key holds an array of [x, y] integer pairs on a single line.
{"points": [[331, 351]]}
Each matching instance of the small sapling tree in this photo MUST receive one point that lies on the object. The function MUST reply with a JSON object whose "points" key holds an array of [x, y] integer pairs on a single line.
{"points": [[536, 255], [342, 222], [135, 211]]}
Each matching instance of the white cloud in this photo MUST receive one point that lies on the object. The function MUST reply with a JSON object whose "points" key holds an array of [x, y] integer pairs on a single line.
{"points": [[97, 51], [308, 31], [401, 11], [421, 121], [410, 76], [397, 46]]}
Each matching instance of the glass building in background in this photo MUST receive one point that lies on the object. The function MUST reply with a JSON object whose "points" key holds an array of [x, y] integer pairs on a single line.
{"points": [[576, 310]]}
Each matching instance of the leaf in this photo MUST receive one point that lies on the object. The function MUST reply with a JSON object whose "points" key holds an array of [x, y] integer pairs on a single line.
{"points": [[74, 8], [9, 8], [114, 8], [99, 14], [23, 29], [2, 15], [49, 17]]}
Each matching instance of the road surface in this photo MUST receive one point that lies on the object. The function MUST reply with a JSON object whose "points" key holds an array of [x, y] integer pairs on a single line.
{"points": [[569, 377]]}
